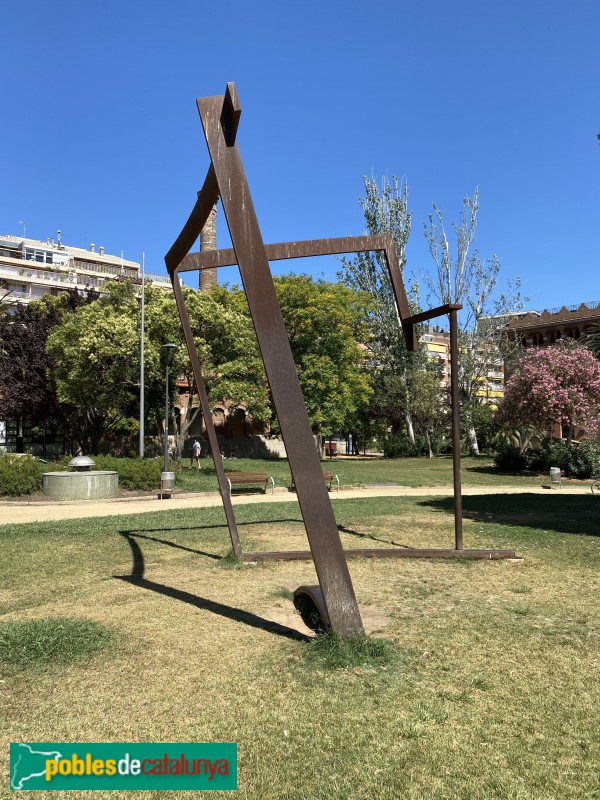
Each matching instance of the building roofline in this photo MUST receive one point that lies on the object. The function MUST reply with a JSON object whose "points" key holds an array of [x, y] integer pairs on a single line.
{"points": [[583, 312], [76, 252]]}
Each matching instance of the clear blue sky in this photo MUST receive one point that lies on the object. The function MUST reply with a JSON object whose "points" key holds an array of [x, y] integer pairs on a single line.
{"points": [[100, 135]]}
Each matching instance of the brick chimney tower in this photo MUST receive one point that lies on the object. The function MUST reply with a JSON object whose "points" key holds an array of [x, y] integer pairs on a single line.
{"points": [[208, 241]]}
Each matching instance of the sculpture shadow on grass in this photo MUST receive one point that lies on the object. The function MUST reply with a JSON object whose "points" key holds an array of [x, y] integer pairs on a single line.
{"points": [[573, 514], [229, 612], [143, 535]]}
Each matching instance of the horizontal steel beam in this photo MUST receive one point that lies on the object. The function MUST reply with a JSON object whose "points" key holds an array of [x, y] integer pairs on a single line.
{"points": [[384, 552], [432, 312], [283, 250]]}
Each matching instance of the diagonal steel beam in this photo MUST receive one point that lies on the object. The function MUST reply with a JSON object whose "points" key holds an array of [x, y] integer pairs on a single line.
{"points": [[330, 562], [207, 198]]}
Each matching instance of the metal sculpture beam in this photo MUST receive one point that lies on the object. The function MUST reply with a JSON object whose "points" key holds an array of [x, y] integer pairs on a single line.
{"points": [[334, 597]]}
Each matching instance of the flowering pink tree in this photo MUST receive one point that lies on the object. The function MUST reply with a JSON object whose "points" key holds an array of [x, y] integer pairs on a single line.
{"points": [[555, 385]]}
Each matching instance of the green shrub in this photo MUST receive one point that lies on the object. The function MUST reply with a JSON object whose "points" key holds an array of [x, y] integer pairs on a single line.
{"points": [[135, 473], [509, 458], [398, 445], [20, 474], [580, 460], [548, 454]]}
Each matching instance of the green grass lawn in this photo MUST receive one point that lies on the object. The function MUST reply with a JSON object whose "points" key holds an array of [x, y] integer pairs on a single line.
{"points": [[403, 471], [493, 691]]}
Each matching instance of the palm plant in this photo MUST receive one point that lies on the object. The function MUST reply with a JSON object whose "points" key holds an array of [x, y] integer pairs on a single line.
{"points": [[591, 339]]}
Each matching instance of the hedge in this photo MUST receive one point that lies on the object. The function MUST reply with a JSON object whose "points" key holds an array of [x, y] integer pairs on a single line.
{"points": [[580, 460], [23, 474]]}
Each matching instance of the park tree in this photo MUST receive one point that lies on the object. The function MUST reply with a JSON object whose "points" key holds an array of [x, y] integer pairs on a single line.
{"points": [[557, 385], [465, 278], [26, 390], [96, 357], [227, 349], [325, 323], [386, 213], [429, 406], [95, 365], [591, 339]]}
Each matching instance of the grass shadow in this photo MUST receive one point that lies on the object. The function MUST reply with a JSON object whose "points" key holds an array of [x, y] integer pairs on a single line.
{"points": [[229, 612], [139, 535], [359, 535], [492, 471], [574, 514]]}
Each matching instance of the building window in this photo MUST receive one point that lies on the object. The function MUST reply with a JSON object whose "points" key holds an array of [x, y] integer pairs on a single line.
{"points": [[2, 431]]}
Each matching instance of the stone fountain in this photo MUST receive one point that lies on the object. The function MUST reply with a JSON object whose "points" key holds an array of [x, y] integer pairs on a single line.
{"points": [[82, 483]]}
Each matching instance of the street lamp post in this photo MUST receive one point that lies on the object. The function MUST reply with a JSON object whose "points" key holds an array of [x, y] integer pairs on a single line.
{"points": [[167, 482], [142, 343]]}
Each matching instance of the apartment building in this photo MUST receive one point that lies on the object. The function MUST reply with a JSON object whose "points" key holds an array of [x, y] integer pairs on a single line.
{"points": [[436, 343], [30, 269], [541, 329]]}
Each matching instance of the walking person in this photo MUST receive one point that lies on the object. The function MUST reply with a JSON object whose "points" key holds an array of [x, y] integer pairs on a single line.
{"points": [[196, 451]]}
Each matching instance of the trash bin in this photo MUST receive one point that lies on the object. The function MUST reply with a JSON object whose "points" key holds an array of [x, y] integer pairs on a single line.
{"points": [[167, 484], [554, 475]]}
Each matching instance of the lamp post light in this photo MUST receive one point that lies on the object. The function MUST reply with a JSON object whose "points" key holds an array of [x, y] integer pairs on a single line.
{"points": [[167, 479]]}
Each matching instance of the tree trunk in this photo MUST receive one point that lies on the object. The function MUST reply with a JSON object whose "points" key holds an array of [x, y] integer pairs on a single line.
{"points": [[570, 435], [319, 444], [184, 428], [428, 444], [471, 434], [410, 432]]}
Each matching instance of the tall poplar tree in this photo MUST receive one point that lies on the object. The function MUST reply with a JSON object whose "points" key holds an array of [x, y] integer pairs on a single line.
{"points": [[386, 212], [466, 279]]}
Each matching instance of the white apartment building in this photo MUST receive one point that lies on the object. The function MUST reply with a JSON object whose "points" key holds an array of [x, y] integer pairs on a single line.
{"points": [[30, 268]]}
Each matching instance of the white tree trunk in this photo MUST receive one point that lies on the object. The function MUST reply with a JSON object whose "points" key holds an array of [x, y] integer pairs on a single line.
{"points": [[471, 434], [410, 432], [429, 444]]}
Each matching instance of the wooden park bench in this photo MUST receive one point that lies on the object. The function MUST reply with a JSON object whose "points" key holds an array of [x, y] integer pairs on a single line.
{"points": [[329, 477], [249, 479]]}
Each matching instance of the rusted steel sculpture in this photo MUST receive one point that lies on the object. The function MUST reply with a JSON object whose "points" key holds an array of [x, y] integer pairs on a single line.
{"points": [[333, 600]]}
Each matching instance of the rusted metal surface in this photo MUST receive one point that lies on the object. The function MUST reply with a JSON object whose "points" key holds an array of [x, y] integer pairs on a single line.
{"points": [[385, 552], [310, 604], [208, 418], [431, 313], [323, 247], [455, 411], [280, 251], [238, 208], [207, 197]]}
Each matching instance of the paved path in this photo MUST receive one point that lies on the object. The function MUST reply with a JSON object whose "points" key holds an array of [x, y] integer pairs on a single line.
{"points": [[36, 511]]}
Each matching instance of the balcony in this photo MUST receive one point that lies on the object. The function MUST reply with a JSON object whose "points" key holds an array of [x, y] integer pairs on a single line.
{"points": [[157, 278], [25, 274]]}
